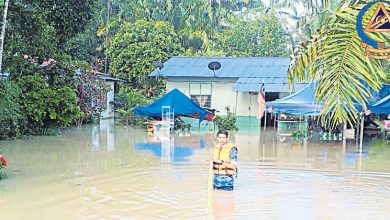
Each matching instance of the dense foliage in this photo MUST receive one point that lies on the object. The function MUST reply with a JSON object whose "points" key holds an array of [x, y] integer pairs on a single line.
{"points": [[46, 41], [263, 37], [136, 46], [42, 77], [46, 106], [10, 111]]}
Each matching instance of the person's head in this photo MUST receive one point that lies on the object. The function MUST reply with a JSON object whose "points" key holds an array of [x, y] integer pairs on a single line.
{"points": [[222, 136]]}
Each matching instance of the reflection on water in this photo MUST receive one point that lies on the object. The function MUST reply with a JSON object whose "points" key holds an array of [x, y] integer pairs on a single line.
{"points": [[103, 136], [103, 172], [164, 146]]}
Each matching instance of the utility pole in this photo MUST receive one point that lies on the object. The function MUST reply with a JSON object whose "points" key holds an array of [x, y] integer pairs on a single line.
{"points": [[3, 33]]}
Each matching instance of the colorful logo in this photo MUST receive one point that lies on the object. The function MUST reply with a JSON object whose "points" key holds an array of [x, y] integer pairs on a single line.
{"points": [[379, 23]]}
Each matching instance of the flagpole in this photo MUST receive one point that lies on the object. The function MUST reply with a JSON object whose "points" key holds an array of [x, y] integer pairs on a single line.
{"points": [[262, 106], [265, 119]]}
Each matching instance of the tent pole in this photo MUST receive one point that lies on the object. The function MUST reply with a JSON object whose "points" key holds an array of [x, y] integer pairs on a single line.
{"points": [[357, 130], [344, 131], [260, 127], [299, 125], [361, 133], [275, 122]]}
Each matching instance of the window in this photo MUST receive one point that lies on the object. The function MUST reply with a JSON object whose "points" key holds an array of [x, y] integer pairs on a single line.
{"points": [[201, 94]]}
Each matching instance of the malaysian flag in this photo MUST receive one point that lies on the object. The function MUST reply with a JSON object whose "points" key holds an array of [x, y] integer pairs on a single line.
{"points": [[261, 101]]}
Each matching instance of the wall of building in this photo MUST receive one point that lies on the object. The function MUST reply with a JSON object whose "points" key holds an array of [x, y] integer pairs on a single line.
{"points": [[222, 95], [109, 112]]}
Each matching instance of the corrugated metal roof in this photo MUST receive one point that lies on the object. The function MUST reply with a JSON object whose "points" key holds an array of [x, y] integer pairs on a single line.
{"points": [[230, 67], [271, 84]]}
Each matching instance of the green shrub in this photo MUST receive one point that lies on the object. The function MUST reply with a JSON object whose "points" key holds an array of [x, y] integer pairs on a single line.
{"points": [[126, 100], [10, 113], [44, 106], [227, 122], [298, 134]]}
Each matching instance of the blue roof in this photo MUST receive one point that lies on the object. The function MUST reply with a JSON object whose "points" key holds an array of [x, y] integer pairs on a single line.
{"points": [[271, 84], [231, 67]]}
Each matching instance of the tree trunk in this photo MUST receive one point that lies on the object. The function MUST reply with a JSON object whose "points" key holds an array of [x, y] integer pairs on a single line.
{"points": [[3, 33]]}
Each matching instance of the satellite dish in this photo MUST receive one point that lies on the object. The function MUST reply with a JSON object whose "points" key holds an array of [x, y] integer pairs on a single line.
{"points": [[158, 64], [214, 65]]}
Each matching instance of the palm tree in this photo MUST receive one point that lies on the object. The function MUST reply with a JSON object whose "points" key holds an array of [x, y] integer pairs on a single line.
{"points": [[335, 58]]}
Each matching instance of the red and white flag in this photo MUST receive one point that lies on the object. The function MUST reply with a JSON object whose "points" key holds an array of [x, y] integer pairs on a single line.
{"points": [[261, 101]]}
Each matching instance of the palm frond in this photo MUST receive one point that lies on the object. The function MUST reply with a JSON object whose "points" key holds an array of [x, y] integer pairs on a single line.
{"points": [[344, 73]]}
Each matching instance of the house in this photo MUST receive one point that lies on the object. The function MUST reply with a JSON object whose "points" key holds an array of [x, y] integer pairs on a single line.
{"points": [[235, 84]]}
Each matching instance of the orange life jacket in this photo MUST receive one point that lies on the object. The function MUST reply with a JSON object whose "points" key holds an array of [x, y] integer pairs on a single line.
{"points": [[223, 154]]}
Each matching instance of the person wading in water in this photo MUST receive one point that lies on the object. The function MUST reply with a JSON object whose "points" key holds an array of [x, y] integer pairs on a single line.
{"points": [[224, 163]]}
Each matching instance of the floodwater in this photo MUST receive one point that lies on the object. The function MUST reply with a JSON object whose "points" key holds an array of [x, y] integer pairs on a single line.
{"points": [[103, 172]]}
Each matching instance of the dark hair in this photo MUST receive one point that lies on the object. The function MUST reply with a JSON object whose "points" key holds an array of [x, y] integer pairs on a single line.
{"points": [[223, 132]]}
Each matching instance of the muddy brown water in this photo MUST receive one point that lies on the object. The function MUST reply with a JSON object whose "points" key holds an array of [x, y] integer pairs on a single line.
{"points": [[108, 172]]}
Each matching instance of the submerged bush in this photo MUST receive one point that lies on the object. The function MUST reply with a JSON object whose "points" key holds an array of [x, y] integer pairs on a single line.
{"points": [[226, 122], [126, 100]]}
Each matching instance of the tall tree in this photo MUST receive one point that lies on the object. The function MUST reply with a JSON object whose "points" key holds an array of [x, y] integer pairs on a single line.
{"points": [[264, 36], [137, 45], [4, 25], [68, 18]]}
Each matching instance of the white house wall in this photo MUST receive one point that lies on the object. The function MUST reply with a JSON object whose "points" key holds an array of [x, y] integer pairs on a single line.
{"points": [[247, 104], [222, 96], [109, 112]]}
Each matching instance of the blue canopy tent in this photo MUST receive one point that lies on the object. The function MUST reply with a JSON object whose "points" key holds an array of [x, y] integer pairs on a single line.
{"points": [[381, 106], [179, 103], [302, 102]]}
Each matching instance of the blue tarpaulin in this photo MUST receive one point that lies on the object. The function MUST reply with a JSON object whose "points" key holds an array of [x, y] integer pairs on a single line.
{"points": [[180, 104]]}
